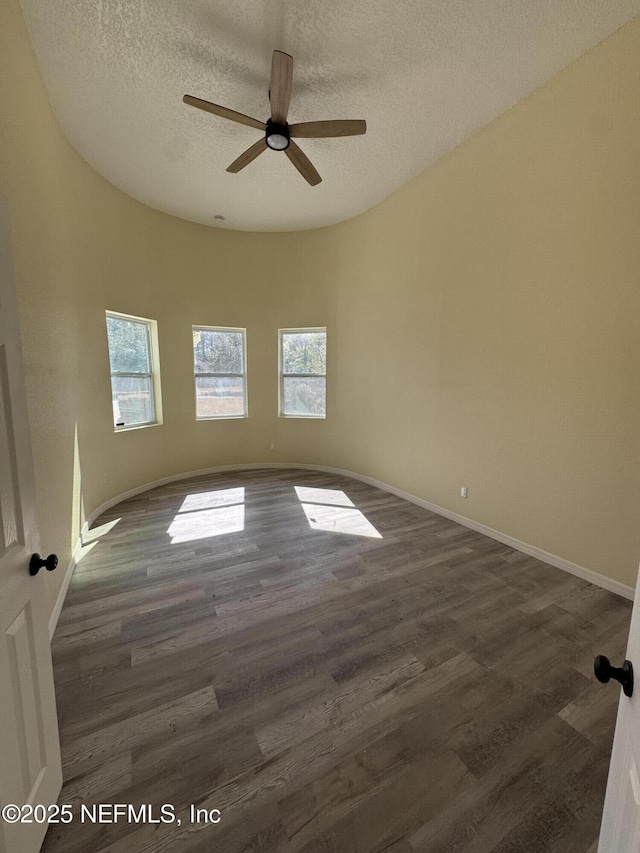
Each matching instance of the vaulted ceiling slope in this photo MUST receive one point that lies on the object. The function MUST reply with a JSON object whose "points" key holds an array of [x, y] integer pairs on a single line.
{"points": [[425, 74]]}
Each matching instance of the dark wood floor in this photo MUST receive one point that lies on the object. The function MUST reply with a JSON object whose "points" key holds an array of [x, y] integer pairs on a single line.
{"points": [[330, 677]]}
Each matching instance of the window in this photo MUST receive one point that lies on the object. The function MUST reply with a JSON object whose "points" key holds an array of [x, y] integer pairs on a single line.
{"points": [[135, 387], [219, 364], [303, 368]]}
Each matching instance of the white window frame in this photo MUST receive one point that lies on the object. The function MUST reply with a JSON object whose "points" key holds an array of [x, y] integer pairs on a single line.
{"points": [[243, 375], [154, 364], [282, 375]]}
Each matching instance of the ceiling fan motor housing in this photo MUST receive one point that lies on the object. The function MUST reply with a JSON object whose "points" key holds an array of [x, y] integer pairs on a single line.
{"points": [[277, 135]]}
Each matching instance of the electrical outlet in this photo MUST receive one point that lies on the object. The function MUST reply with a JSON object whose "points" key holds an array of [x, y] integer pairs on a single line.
{"points": [[273, 447], [463, 491]]}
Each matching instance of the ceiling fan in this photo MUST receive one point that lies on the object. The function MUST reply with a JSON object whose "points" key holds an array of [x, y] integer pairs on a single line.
{"points": [[278, 133]]}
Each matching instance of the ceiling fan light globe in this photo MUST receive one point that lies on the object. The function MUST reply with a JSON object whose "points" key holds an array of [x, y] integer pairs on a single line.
{"points": [[277, 135], [277, 141]]}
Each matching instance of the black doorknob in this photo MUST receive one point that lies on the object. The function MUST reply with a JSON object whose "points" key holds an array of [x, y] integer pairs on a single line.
{"points": [[36, 563], [624, 674]]}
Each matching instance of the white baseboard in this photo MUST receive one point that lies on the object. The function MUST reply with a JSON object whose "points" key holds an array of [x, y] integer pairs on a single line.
{"points": [[62, 593], [532, 550]]}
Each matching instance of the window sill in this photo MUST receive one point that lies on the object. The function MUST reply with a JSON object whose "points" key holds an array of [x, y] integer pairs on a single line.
{"points": [[223, 418], [136, 427], [304, 417]]}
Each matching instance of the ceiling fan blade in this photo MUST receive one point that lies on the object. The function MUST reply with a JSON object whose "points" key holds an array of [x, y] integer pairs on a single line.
{"points": [[280, 86], [319, 129], [248, 156], [302, 163], [223, 112]]}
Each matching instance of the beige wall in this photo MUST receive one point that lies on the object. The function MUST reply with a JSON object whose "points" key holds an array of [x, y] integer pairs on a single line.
{"points": [[509, 277], [483, 321], [489, 321]]}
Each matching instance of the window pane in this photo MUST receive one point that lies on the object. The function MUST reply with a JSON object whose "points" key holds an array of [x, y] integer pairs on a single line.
{"points": [[219, 396], [218, 352], [128, 346], [132, 400], [304, 352], [304, 396]]}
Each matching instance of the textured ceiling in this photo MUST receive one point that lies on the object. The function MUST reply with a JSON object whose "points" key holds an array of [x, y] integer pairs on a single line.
{"points": [[425, 74]]}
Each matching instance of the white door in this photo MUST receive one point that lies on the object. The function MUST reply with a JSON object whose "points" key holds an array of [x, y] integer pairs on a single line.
{"points": [[30, 768], [620, 831]]}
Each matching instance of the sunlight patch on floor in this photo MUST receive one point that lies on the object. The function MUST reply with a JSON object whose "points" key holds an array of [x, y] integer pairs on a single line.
{"points": [[83, 550], [208, 514], [90, 538], [209, 500], [331, 510], [101, 530], [332, 497]]}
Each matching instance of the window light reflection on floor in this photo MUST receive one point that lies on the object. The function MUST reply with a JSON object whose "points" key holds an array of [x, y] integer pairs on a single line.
{"points": [[331, 510], [329, 497], [206, 514], [90, 538], [209, 500]]}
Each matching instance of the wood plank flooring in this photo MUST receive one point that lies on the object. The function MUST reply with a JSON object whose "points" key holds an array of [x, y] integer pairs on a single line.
{"points": [[333, 669]]}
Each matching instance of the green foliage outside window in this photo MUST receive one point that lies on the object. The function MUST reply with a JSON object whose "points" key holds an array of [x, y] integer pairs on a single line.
{"points": [[128, 346], [218, 351], [304, 365], [131, 381], [304, 352]]}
